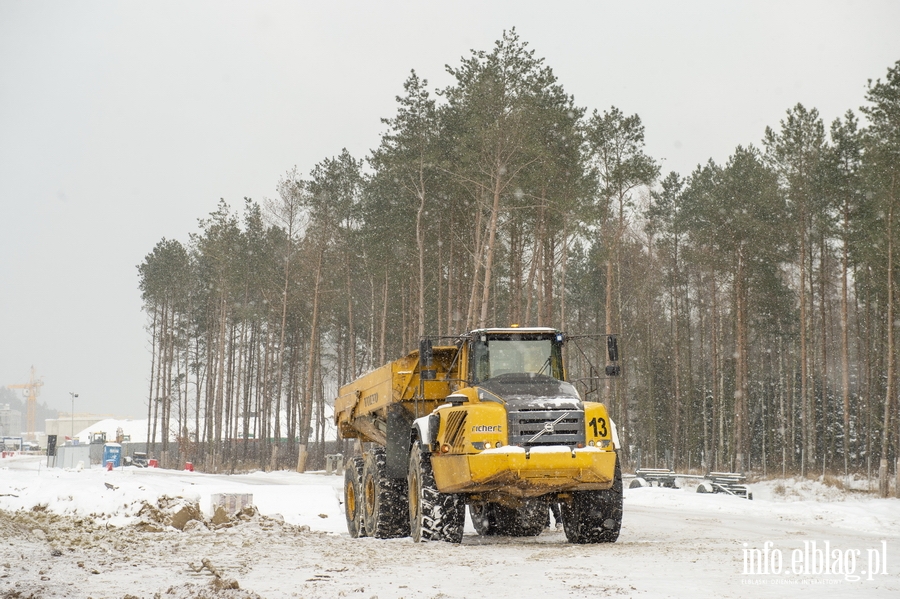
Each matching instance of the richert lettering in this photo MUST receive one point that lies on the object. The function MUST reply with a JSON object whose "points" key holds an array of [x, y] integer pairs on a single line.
{"points": [[484, 428]]}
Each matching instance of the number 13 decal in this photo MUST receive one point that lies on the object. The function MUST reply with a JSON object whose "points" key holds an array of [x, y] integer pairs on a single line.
{"points": [[599, 426]]}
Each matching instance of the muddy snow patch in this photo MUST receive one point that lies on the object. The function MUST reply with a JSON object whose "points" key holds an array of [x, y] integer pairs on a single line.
{"points": [[168, 511]]}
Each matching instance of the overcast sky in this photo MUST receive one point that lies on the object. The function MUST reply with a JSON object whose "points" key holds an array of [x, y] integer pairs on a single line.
{"points": [[124, 122]]}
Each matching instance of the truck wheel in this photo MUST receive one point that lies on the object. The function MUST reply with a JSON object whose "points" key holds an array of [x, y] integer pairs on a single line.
{"points": [[484, 518], [385, 507], [433, 516], [531, 519], [526, 521], [595, 516], [490, 519], [353, 497]]}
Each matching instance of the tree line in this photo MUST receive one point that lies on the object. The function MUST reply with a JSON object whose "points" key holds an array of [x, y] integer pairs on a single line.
{"points": [[754, 299]]}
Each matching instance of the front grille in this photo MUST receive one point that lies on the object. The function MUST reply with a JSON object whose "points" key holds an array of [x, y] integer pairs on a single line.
{"points": [[525, 424]]}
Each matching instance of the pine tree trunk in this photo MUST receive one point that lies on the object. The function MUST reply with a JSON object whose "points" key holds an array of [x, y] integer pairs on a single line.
{"points": [[153, 357], [477, 258], [420, 246], [703, 324], [812, 433], [826, 409], [739, 382], [883, 481], [451, 269], [198, 392], [563, 268], [676, 352], [516, 258], [160, 376], [384, 315], [351, 325], [718, 400], [845, 351], [240, 411], [608, 316], [782, 418], [549, 255], [279, 372], [804, 395], [439, 287], [311, 364], [529, 284], [489, 256]]}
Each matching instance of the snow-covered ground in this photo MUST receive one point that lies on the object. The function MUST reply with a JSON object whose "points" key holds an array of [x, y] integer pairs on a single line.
{"points": [[96, 533]]}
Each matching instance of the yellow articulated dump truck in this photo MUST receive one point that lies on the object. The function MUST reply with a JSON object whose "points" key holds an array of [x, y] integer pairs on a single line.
{"points": [[488, 420]]}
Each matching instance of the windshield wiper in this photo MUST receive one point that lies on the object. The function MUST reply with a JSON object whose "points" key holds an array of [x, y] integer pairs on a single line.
{"points": [[546, 365]]}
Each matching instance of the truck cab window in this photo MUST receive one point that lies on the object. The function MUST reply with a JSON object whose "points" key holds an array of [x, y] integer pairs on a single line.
{"points": [[496, 355]]}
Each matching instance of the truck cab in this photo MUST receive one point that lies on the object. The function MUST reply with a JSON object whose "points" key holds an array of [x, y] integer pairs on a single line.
{"points": [[497, 352]]}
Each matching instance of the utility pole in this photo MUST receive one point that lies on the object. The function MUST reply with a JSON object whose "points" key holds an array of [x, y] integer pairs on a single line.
{"points": [[72, 415]]}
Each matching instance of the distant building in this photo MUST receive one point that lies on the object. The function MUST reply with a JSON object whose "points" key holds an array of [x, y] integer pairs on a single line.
{"points": [[10, 422], [118, 430], [71, 425]]}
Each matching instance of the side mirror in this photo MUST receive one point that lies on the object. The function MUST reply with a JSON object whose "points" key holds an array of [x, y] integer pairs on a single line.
{"points": [[612, 348], [612, 351], [426, 353], [426, 359]]}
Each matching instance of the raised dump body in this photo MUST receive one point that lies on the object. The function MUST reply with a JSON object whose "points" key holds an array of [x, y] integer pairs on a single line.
{"points": [[490, 422], [362, 409]]}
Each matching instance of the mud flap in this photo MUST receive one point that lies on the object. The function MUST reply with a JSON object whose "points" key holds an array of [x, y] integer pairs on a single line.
{"points": [[399, 422]]}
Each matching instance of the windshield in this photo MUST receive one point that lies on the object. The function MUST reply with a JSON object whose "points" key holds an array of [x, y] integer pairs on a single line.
{"points": [[499, 354]]}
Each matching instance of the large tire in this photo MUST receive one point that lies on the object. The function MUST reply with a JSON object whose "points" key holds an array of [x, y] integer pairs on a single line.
{"points": [[526, 521], [531, 519], [385, 510], [433, 516], [484, 518], [493, 519], [353, 497], [595, 516]]}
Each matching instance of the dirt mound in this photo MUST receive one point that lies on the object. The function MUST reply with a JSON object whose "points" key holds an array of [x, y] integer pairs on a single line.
{"points": [[168, 511], [22, 525], [185, 515], [65, 550]]}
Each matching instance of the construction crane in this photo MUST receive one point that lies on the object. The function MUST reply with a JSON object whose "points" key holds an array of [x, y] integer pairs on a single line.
{"points": [[31, 389]]}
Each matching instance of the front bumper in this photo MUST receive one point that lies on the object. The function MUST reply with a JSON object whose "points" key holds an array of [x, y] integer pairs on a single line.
{"points": [[510, 470]]}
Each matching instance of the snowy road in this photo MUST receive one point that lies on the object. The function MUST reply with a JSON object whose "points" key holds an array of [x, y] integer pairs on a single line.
{"points": [[85, 540]]}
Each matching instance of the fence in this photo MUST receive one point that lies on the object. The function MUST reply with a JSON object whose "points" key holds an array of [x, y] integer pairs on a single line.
{"points": [[236, 455]]}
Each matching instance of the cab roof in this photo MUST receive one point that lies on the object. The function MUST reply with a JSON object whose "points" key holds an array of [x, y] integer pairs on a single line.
{"points": [[513, 330]]}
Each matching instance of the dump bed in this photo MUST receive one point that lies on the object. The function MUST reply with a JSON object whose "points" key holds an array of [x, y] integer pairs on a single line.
{"points": [[361, 408]]}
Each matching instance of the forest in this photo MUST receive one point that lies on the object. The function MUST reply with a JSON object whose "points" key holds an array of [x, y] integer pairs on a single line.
{"points": [[754, 300]]}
